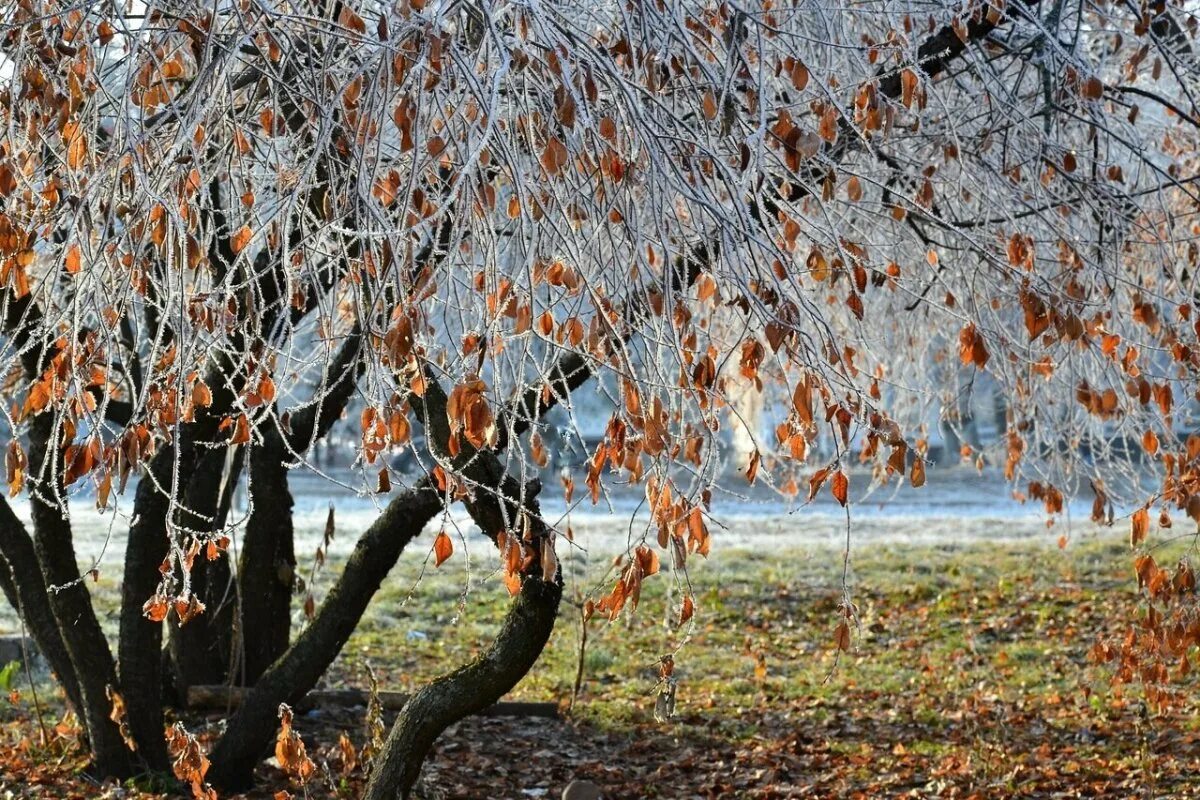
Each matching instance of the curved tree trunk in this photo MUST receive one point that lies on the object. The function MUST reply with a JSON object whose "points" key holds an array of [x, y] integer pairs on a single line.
{"points": [[268, 562], [250, 730], [443, 702], [21, 581], [72, 606], [498, 503]]}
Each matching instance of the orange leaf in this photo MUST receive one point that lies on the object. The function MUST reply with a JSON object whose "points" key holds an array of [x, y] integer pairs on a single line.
{"points": [[918, 473], [1140, 526], [554, 156], [854, 189], [908, 87], [15, 463], [971, 349], [241, 430], [549, 560], [443, 548], [828, 125], [155, 608], [241, 239], [347, 18], [201, 395], [688, 609], [816, 482], [841, 637], [290, 751], [841, 485], [752, 469], [72, 261]]}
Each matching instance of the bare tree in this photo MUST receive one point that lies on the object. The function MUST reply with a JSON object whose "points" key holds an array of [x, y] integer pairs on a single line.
{"points": [[225, 224]]}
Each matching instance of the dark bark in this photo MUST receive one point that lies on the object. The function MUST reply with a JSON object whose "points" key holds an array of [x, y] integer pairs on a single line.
{"points": [[201, 650], [21, 580], [311, 423], [465, 691], [250, 731], [66, 594], [497, 502], [266, 575], [72, 606], [140, 641], [268, 561], [167, 474]]}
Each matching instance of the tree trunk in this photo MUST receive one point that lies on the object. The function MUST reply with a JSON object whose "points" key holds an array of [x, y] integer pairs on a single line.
{"points": [[202, 650], [249, 732], [72, 606], [140, 645], [21, 580], [497, 503], [268, 561], [465, 691]]}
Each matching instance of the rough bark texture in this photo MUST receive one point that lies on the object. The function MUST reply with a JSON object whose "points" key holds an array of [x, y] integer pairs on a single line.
{"points": [[250, 730], [140, 642], [21, 580], [443, 702], [268, 562], [72, 606], [201, 650], [498, 503], [168, 473]]}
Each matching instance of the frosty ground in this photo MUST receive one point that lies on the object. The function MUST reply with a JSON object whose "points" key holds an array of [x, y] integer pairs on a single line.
{"points": [[958, 507], [968, 673]]}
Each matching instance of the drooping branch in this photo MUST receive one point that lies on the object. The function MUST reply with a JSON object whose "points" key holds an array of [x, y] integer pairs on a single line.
{"points": [[330, 397]]}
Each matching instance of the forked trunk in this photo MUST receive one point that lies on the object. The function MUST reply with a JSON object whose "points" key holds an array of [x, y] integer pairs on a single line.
{"points": [[251, 729]]}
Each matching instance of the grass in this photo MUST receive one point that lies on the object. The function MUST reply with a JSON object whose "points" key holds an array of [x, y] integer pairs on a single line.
{"points": [[967, 675]]}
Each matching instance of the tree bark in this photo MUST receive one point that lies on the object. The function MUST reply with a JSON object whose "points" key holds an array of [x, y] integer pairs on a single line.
{"points": [[465, 691], [72, 606], [140, 640], [202, 650], [21, 580], [498, 503], [249, 732], [268, 561]]}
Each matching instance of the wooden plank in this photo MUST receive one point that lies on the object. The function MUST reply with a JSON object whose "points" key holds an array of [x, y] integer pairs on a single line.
{"points": [[220, 698]]}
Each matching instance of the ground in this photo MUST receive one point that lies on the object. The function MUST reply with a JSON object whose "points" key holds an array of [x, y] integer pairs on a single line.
{"points": [[967, 676]]}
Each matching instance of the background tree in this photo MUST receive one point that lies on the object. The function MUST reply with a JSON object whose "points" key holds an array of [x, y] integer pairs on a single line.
{"points": [[225, 223]]}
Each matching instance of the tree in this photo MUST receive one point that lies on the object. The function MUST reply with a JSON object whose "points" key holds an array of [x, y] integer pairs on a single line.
{"points": [[224, 224]]}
